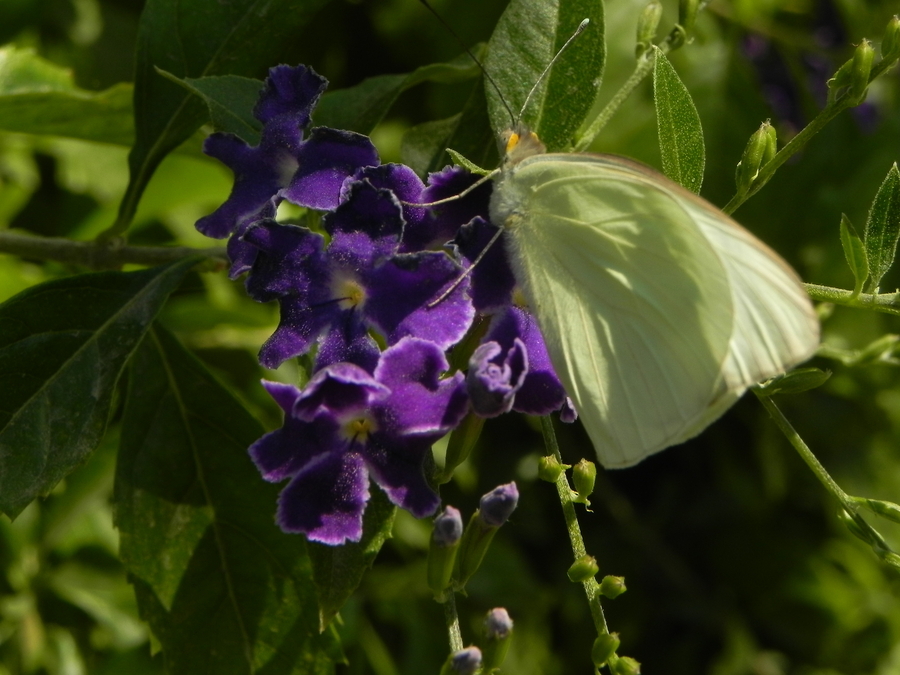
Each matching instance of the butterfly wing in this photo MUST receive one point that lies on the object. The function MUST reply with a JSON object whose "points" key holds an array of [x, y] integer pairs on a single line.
{"points": [[658, 311]]}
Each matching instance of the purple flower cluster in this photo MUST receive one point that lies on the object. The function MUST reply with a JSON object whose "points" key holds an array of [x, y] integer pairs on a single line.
{"points": [[377, 293]]}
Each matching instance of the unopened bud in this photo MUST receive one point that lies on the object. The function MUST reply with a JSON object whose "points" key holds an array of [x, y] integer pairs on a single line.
{"points": [[497, 505], [626, 665], [612, 587], [498, 630], [445, 538], [464, 662], [884, 509], [752, 159], [604, 647], [549, 468], [584, 475], [890, 43], [862, 67], [854, 527], [583, 569], [648, 22]]}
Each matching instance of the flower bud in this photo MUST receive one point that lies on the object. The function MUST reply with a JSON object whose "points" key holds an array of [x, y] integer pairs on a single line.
{"points": [[854, 527], [648, 22], [884, 509], [445, 538], [464, 662], [498, 629], [584, 475], [626, 665], [890, 43], [549, 468], [604, 647], [862, 67], [583, 569], [496, 507], [498, 504], [612, 587], [754, 157]]}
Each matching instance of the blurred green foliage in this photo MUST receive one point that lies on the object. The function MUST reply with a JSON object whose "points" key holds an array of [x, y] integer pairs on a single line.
{"points": [[734, 559]]}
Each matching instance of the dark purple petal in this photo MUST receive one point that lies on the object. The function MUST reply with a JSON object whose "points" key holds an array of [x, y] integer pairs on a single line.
{"points": [[444, 220], [497, 505], [348, 341], [339, 387], [284, 452], [407, 186], [259, 173], [466, 661], [367, 209], [290, 261], [492, 278], [327, 499], [299, 328], [420, 402], [285, 395], [541, 391], [401, 290], [495, 376], [397, 465], [325, 161], [241, 254], [291, 91]]}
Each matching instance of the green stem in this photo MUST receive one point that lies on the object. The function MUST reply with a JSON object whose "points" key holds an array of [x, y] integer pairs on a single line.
{"points": [[591, 587], [888, 303], [111, 255], [452, 619]]}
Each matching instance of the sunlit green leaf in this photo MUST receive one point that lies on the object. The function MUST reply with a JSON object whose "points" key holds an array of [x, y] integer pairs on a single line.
{"points": [[525, 40], [63, 345], [39, 97], [678, 124], [855, 252], [883, 227], [223, 589]]}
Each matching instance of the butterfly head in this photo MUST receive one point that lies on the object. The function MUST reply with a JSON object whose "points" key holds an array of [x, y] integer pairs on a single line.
{"points": [[521, 143]]}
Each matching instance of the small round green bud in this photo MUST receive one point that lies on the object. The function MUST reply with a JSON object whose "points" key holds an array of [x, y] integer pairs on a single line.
{"points": [[771, 143], [626, 665], [445, 538], [854, 528], [549, 468], [584, 475], [890, 43], [884, 509], [583, 569], [604, 647], [862, 67], [752, 159], [647, 24], [612, 587]]}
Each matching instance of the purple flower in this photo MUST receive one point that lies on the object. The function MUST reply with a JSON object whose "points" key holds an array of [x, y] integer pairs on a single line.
{"points": [[511, 369], [361, 281], [284, 165], [347, 426]]}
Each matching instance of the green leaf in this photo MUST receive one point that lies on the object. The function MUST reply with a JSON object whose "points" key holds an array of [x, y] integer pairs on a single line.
{"points": [[230, 100], [795, 382], [339, 569], [223, 589], [39, 97], [855, 252], [424, 143], [197, 38], [362, 107], [678, 124], [63, 345], [883, 228], [527, 37]]}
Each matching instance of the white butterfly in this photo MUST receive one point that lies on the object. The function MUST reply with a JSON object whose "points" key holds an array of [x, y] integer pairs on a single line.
{"points": [[658, 310]]}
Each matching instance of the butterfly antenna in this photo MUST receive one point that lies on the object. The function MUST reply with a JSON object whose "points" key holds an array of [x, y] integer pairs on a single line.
{"points": [[578, 31], [478, 63]]}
